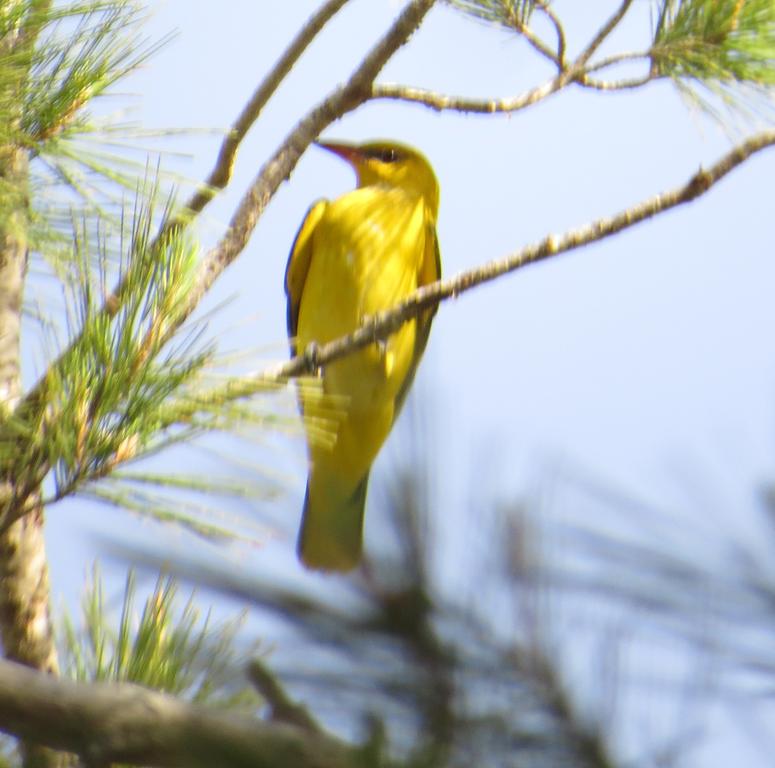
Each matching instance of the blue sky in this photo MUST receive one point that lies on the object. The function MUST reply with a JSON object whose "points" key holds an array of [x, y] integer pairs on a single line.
{"points": [[645, 361]]}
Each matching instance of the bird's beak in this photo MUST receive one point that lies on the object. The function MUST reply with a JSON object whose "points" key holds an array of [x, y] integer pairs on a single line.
{"points": [[347, 152]]}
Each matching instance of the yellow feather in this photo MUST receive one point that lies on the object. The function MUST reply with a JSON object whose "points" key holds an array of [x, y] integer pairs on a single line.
{"points": [[354, 257]]}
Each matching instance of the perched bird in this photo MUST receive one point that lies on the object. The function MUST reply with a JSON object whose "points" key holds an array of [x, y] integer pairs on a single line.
{"points": [[352, 258]]}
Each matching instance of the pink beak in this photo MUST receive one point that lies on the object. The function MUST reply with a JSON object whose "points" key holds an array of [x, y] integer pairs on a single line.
{"points": [[347, 152]]}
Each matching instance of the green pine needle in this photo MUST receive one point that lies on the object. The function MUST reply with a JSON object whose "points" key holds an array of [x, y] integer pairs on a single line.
{"points": [[725, 46], [134, 384], [79, 51], [196, 518], [107, 398], [514, 14], [167, 647]]}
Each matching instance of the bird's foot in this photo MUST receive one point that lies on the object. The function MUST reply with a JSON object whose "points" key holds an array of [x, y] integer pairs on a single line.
{"points": [[311, 357]]}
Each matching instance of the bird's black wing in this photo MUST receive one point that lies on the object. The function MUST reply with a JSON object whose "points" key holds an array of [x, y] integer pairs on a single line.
{"points": [[430, 272], [298, 267]]}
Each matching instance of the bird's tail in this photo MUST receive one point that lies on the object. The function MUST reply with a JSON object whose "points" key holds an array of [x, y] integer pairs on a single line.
{"points": [[332, 525]]}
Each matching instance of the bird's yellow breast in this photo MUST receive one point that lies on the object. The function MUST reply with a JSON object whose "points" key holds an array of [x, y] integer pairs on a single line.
{"points": [[367, 253]]}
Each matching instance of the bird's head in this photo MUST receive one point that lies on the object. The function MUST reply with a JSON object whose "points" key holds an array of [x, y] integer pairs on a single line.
{"points": [[390, 164]]}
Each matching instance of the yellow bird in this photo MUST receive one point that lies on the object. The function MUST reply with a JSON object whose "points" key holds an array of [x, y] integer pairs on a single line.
{"points": [[352, 258]]}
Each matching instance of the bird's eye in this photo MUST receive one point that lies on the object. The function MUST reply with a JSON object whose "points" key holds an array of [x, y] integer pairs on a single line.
{"points": [[386, 155]]}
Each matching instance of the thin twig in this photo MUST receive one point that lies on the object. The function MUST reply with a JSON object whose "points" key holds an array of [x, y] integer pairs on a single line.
{"points": [[617, 85], [548, 11], [602, 34], [382, 325], [283, 708], [616, 58], [442, 101], [220, 175], [536, 42]]}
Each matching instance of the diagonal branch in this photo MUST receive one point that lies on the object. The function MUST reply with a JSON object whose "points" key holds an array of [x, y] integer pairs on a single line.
{"points": [[382, 325], [282, 708], [536, 42], [220, 175], [603, 33]]}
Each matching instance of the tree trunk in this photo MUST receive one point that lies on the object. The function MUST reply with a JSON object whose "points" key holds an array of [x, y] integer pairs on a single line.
{"points": [[25, 624]]}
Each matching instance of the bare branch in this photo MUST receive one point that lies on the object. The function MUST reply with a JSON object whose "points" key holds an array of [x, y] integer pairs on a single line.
{"points": [[548, 11], [536, 42], [617, 58], [604, 32], [382, 325], [617, 85], [109, 723], [221, 173], [441, 101], [283, 708], [586, 81]]}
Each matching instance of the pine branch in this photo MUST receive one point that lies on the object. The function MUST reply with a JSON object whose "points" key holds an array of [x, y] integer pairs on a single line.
{"points": [[83, 47], [507, 13], [723, 40], [568, 74], [67, 74], [726, 46], [718, 52], [168, 648]]}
